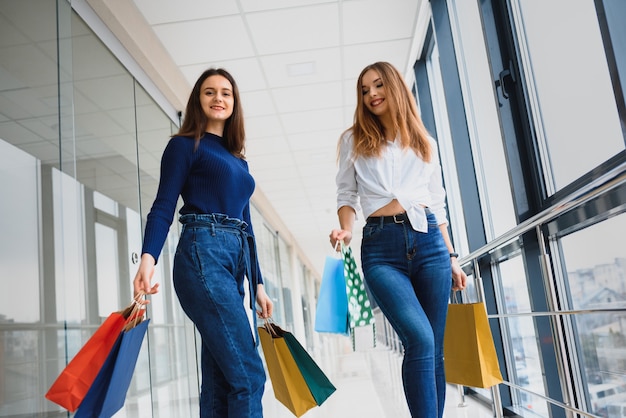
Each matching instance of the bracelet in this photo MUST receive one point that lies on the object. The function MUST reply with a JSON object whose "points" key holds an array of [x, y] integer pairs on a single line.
{"points": [[455, 255]]}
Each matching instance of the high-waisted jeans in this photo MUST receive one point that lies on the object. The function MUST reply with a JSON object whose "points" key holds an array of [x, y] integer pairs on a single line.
{"points": [[209, 267], [409, 276]]}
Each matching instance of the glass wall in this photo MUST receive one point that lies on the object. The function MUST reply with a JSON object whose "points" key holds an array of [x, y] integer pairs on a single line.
{"points": [[594, 281], [484, 129], [540, 87], [570, 100], [73, 122], [275, 261], [80, 149]]}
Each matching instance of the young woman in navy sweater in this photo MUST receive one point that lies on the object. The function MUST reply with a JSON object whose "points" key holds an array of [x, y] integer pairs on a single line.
{"points": [[204, 163]]}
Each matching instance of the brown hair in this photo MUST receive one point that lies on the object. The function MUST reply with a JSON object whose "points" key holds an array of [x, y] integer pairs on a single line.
{"points": [[368, 131], [195, 121]]}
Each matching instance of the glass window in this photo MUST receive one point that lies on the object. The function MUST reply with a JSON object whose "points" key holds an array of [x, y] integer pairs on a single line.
{"points": [[69, 158], [307, 288], [596, 278], [104, 139], [482, 118], [446, 152], [107, 270], [284, 255], [611, 17], [19, 256], [570, 93], [154, 130], [67, 244], [268, 260], [526, 370]]}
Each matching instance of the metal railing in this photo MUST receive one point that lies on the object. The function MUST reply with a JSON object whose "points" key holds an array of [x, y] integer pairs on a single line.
{"points": [[599, 186]]}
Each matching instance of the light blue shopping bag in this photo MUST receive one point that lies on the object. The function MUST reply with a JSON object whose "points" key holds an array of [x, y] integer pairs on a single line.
{"points": [[332, 313]]}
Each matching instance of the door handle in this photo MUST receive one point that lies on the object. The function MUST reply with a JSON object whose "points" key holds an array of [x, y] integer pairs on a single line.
{"points": [[504, 81]]}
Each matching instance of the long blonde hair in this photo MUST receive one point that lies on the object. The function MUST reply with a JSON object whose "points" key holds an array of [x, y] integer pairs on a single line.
{"points": [[368, 131]]}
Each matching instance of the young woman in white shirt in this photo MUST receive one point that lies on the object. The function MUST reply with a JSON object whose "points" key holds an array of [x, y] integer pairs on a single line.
{"points": [[389, 169]]}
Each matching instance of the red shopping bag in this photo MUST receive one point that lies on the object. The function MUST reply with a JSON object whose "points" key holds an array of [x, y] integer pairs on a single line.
{"points": [[70, 388], [107, 394]]}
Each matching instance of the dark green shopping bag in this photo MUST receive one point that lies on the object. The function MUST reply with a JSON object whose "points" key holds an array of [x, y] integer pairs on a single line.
{"points": [[319, 385], [297, 380]]}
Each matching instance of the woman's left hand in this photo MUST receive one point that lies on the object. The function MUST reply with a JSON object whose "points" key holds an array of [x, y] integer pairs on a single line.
{"points": [[459, 278], [264, 302]]}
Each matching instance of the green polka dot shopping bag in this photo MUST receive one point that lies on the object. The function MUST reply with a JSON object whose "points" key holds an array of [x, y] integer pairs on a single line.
{"points": [[359, 307], [358, 302]]}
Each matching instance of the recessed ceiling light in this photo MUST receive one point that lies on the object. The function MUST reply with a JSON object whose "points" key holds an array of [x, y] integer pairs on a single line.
{"points": [[301, 68]]}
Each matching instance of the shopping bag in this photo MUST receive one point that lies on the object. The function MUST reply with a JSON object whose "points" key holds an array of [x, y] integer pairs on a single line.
{"points": [[331, 314], [320, 386], [297, 380], [358, 303], [72, 384], [469, 351], [108, 391]]}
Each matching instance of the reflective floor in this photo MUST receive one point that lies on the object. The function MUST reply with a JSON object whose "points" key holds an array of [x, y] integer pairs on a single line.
{"points": [[369, 386]]}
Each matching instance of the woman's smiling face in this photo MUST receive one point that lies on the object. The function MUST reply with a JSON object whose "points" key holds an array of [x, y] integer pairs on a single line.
{"points": [[373, 92], [217, 99]]}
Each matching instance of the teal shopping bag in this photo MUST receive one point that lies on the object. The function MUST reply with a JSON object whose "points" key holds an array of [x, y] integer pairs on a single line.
{"points": [[298, 382], [331, 314], [319, 385]]}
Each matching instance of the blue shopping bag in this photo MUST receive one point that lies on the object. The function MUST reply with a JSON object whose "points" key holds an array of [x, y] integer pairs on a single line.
{"points": [[332, 313], [107, 394]]}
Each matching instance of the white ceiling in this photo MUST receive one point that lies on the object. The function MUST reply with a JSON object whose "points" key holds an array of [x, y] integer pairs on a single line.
{"points": [[296, 63]]}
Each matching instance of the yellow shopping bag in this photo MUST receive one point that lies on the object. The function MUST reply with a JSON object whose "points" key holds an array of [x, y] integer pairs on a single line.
{"points": [[298, 382], [469, 351]]}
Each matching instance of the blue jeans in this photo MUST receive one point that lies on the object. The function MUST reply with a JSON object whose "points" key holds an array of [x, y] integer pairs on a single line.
{"points": [[409, 276], [209, 268]]}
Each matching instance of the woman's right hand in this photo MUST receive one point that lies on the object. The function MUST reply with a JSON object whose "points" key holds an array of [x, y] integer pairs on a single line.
{"points": [[340, 235], [141, 283], [346, 216]]}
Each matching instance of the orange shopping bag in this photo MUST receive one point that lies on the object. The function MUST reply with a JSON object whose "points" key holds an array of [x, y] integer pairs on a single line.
{"points": [[69, 389]]}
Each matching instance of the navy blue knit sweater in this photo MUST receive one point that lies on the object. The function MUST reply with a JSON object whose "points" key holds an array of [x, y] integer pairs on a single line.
{"points": [[209, 179]]}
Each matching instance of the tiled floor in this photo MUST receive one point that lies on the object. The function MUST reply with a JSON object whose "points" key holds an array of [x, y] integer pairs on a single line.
{"points": [[369, 386], [458, 406]]}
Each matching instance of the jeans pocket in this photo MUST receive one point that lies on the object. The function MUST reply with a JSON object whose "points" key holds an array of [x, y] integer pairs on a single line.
{"points": [[432, 226], [432, 221], [370, 231]]}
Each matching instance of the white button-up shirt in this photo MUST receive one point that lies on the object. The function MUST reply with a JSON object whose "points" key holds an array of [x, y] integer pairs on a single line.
{"points": [[372, 182]]}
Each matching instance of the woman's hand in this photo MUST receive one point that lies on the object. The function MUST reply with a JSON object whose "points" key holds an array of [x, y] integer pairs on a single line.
{"points": [[346, 216], [459, 278], [264, 302], [141, 283], [337, 235]]}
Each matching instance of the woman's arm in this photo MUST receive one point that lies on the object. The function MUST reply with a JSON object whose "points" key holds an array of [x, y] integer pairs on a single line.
{"points": [[347, 195], [346, 216], [459, 278], [141, 283], [264, 302]]}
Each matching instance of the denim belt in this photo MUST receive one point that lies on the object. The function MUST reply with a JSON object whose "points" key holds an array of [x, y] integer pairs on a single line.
{"points": [[399, 218], [218, 220]]}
